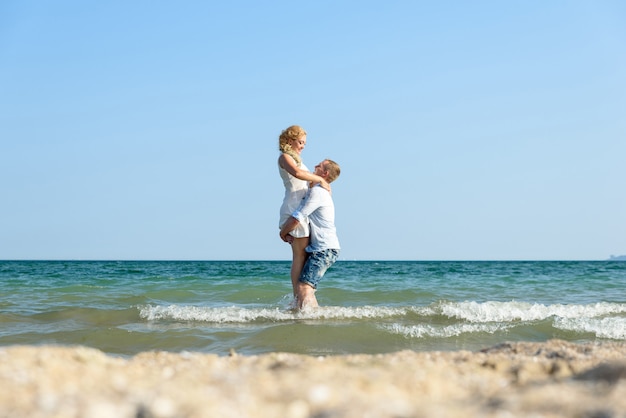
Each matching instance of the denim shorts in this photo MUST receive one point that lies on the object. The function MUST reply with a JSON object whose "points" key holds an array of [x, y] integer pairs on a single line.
{"points": [[316, 265]]}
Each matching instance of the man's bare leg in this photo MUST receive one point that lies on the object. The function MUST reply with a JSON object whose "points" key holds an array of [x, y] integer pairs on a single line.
{"points": [[306, 296]]}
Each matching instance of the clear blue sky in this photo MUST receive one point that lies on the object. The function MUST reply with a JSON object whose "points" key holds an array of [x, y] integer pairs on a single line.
{"points": [[487, 130]]}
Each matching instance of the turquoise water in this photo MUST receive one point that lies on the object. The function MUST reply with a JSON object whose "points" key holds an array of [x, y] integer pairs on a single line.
{"points": [[125, 307]]}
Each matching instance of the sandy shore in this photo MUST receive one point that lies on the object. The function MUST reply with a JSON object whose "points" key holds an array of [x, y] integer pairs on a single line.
{"points": [[552, 379]]}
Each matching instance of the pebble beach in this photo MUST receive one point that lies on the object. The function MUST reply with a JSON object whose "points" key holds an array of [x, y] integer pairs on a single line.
{"points": [[548, 379]]}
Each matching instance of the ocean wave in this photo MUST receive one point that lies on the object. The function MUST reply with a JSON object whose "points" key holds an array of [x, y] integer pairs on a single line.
{"points": [[234, 314], [493, 311], [611, 327], [472, 312], [231, 314], [605, 320], [424, 330]]}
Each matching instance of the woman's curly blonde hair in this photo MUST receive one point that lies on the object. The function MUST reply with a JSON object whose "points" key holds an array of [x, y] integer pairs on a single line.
{"points": [[290, 134]]}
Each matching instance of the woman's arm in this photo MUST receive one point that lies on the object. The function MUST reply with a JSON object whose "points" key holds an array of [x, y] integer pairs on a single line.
{"points": [[288, 163]]}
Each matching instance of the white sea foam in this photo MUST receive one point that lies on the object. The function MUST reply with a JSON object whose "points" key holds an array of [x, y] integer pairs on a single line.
{"points": [[475, 312], [611, 327], [234, 314], [421, 331], [353, 312], [219, 315], [605, 320], [521, 311]]}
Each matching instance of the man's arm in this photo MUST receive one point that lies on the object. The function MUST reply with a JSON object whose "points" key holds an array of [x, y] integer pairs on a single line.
{"points": [[289, 225], [310, 203]]}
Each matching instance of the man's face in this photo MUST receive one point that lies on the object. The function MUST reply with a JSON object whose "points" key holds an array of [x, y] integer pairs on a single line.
{"points": [[320, 169]]}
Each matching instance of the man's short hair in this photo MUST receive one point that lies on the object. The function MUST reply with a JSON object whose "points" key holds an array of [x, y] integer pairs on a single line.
{"points": [[333, 170]]}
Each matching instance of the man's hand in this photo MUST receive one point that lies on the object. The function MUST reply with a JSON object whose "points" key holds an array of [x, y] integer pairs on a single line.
{"points": [[286, 237], [288, 226]]}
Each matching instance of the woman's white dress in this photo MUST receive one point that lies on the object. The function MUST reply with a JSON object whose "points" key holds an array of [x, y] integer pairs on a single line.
{"points": [[295, 189]]}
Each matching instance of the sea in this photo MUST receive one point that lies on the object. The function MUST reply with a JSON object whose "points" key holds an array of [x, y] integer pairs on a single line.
{"points": [[370, 307]]}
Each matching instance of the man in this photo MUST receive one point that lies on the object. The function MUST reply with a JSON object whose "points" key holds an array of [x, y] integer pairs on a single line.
{"points": [[323, 248]]}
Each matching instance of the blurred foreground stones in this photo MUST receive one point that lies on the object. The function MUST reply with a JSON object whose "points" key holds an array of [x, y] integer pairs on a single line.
{"points": [[551, 379]]}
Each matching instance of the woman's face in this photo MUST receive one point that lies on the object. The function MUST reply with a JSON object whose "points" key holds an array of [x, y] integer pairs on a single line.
{"points": [[298, 144]]}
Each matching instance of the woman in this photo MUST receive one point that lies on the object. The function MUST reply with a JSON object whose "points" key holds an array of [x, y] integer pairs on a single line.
{"points": [[296, 178]]}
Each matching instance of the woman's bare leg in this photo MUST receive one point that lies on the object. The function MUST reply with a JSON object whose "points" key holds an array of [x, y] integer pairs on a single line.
{"points": [[297, 263]]}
